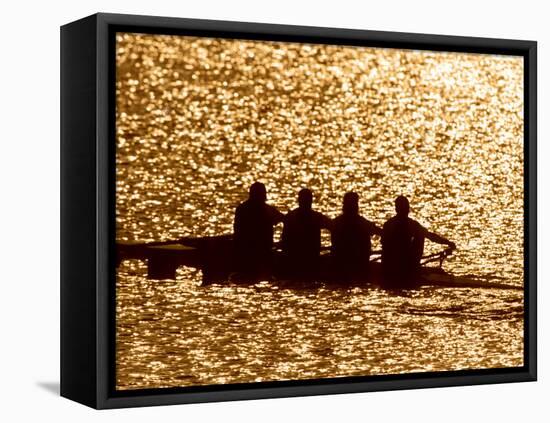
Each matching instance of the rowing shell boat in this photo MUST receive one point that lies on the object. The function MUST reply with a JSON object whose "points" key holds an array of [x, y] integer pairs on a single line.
{"points": [[214, 257], [327, 277]]}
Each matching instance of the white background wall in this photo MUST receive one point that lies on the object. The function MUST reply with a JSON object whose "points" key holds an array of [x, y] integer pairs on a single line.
{"points": [[29, 170]]}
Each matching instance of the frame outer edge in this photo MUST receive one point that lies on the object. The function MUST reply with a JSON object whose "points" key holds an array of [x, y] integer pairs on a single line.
{"points": [[164, 23], [78, 240], [532, 205], [102, 69], [104, 228]]}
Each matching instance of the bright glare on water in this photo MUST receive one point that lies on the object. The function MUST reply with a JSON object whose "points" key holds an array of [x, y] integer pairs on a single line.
{"points": [[199, 120]]}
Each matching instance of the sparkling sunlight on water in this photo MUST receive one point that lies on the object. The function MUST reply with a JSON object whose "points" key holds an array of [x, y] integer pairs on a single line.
{"points": [[199, 120]]}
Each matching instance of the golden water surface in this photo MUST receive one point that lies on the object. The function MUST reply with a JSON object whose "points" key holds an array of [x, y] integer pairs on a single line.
{"points": [[200, 119]]}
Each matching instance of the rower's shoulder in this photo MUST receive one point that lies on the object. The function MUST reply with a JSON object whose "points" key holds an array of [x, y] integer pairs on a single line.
{"points": [[241, 206], [271, 208], [416, 224], [274, 213], [291, 214], [320, 215], [369, 224], [338, 218], [364, 219]]}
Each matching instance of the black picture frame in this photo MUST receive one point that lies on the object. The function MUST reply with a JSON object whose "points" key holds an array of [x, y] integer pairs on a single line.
{"points": [[88, 225]]}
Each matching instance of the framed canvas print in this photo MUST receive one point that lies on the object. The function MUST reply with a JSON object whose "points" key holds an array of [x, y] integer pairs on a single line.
{"points": [[255, 211]]}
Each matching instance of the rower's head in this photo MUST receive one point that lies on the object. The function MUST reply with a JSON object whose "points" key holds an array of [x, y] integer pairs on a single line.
{"points": [[402, 206], [305, 198], [351, 203], [257, 193]]}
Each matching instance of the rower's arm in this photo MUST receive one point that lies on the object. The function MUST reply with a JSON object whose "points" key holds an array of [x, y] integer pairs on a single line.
{"points": [[326, 222], [432, 236], [237, 222], [278, 217], [376, 230]]}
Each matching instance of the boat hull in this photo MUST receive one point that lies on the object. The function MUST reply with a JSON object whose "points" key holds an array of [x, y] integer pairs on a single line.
{"points": [[215, 258]]}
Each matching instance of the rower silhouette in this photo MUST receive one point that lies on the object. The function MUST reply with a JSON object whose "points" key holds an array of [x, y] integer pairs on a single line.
{"points": [[403, 246], [301, 237], [351, 241], [253, 233]]}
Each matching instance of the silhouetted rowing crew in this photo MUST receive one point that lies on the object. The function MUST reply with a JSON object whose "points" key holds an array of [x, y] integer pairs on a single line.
{"points": [[299, 261], [402, 242]]}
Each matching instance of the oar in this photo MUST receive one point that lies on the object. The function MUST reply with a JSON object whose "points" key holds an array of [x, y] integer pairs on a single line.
{"points": [[187, 239], [442, 255], [427, 259], [192, 241], [147, 244]]}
